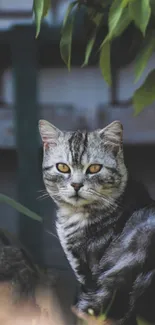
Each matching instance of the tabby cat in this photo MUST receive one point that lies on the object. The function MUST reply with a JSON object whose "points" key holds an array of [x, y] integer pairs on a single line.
{"points": [[105, 221]]}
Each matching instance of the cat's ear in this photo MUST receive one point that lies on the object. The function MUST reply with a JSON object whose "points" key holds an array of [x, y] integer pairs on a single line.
{"points": [[49, 133], [113, 132], [112, 136]]}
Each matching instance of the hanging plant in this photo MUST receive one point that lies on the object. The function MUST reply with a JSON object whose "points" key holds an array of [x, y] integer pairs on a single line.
{"points": [[118, 15]]}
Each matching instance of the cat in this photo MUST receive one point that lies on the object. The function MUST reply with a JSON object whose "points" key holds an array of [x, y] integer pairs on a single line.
{"points": [[105, 221]]}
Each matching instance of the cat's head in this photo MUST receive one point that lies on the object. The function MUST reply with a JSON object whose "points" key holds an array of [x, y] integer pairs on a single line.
{"points": [[83, 168]]}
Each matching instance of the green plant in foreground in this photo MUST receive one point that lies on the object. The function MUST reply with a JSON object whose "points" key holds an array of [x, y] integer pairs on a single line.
{"points": [[118, 15], [19, 207]]}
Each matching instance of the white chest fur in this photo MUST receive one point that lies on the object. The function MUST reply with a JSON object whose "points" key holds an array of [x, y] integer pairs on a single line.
{"points": [[68, 224]]}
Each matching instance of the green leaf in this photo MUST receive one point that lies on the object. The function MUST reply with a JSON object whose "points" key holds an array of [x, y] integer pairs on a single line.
{"points": [[124, 3], [144, 95], [140, 12], [47, 5], [115, 14], [144, 56], [19, 207], [123, 23], [66, 43], [66, 36], [97, 20], [105, 62], [119, 19], [89, 48], [40, 8], [68, 12]]}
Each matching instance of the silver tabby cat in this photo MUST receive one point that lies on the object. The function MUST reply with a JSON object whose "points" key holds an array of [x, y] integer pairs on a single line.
{"points": [[82, 172], [98, 225]]}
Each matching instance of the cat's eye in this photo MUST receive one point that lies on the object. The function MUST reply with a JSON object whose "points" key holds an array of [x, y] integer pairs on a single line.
{"points": [[63, 168], [93, 169]]}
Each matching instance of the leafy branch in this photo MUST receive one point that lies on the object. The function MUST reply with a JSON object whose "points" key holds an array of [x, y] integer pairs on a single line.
{"points": [[117, 15], [19, 207]]}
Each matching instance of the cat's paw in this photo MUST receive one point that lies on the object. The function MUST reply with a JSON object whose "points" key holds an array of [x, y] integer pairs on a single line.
{"points": [[90, 304]]}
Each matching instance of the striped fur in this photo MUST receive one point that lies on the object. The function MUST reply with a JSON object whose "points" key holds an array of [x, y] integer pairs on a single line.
{"points": [[97, 228]]}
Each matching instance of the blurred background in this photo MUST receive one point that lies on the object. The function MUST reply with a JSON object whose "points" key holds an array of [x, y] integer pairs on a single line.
{"points": [[34, 83]]}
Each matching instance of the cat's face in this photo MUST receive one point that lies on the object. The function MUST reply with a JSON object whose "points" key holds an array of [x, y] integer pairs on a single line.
{"points": [[81, 168]]}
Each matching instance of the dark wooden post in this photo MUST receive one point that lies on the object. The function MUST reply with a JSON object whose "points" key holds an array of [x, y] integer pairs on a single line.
{"points": [[24, 63]]}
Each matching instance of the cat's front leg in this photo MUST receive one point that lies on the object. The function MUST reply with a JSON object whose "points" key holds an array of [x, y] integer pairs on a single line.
{"points": [[118, 281]]}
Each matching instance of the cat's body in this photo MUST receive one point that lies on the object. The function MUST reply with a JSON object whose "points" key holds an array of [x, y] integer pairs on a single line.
{"points": [[105, 221]]}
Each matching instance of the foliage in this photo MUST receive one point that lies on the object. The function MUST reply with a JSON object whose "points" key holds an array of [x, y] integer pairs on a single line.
{"points": [[40, 8], [19, 207], [145, 95], [117, 15]]}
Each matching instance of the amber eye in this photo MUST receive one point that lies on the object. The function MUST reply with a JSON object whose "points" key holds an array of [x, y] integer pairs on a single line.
{"points": [[63, 168], [93, 169]]}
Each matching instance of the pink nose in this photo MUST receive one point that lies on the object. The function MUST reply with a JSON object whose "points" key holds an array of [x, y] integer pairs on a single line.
{"points": [[77, 186]]}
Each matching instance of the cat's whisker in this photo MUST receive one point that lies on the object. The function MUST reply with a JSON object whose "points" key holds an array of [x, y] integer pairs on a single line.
{"points": [[119, 204], [41, 191], [109, 200], [43, 196], [51, 233], [102, 197]]}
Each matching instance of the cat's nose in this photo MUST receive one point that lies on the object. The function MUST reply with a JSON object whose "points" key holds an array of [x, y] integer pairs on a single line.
{"points": [[77, 186]]}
